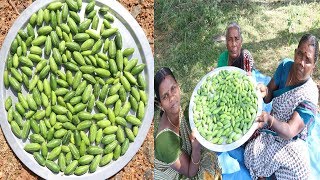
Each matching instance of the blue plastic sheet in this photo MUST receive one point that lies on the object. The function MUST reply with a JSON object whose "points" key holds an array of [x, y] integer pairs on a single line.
{"points": [[314, 149], [243, 173], [228, 164]]}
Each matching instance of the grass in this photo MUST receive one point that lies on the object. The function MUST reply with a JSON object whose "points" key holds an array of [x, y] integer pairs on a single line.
{"points": [[185, 32]]}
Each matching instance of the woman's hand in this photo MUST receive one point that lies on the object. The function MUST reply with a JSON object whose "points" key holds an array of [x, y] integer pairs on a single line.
{"points": [[188, 164], [194, 142], [263, 89], [263, 119]]}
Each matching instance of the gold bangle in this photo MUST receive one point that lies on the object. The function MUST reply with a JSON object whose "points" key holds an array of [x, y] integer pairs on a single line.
{"points": [[194, 162], [271, 122]]}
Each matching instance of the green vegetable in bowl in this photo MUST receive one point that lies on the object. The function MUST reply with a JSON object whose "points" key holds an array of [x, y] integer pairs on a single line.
{"points": [[81, 88], [225, 107]]}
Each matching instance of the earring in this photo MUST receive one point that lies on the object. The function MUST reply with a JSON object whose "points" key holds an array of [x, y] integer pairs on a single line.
{"points": [[161, 108]]}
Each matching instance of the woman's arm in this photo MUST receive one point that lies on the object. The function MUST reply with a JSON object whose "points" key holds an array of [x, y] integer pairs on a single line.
{"points": [[286, 130], [187, 165]]}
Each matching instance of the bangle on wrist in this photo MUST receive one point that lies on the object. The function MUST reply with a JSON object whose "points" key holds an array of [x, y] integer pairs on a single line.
{"points": [[194, 162]]}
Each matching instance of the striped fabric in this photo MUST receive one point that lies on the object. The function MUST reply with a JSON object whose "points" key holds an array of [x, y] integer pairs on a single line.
{"points": [[209, 167]]}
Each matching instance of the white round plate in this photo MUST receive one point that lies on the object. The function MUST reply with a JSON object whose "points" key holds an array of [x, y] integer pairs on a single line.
{"points": [[243, 139]]}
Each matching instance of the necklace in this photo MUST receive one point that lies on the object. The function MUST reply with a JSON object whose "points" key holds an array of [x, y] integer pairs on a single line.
{"points": [[171, 121]]}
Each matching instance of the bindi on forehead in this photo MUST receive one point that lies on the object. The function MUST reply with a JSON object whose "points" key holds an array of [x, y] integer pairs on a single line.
{"points": [[166, 85], [307, 50]]}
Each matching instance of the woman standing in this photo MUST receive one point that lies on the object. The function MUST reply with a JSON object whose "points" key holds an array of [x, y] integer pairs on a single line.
{"points": [[177, 152], [281, 149]]}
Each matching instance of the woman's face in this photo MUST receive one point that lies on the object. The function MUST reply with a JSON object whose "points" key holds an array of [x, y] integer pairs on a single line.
{"points": [[304, 61], [234, 43], [169, 92]]}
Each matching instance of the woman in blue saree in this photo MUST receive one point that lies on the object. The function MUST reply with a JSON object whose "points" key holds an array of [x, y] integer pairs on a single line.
{"points": [[281, 149]]}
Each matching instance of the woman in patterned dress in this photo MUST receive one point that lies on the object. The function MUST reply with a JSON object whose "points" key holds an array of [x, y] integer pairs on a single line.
{"points": [[178, 154], [280, 149], [235, 55]]}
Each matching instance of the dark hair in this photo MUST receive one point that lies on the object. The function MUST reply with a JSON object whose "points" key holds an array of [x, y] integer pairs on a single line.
{"points": [[234, 25], [159, 77], [314, 42]]}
